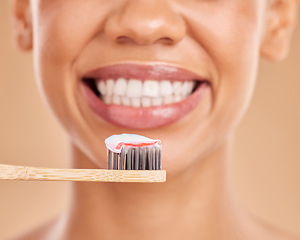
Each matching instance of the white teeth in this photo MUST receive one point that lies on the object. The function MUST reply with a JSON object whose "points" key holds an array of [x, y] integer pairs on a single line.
{"points": [[134, 89], [120, 87], [187, 88], [157, 101], [116, 99], [107, 99], [166, 88], [109, 87], [126, 101], [168, 100], [151, 89], [102, 87], [137, 93], [177, 88], [146, 102], [178, 98], [136, 102]]}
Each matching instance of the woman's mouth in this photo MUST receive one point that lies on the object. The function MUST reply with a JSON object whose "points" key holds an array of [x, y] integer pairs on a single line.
{"points": [[138, 93], [142, 96]]}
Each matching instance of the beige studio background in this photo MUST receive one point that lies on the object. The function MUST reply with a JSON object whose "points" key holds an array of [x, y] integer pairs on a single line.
{"points": [[267, 163]]}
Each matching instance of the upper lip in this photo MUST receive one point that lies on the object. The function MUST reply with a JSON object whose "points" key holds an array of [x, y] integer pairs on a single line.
{"points": [[143, 72]]}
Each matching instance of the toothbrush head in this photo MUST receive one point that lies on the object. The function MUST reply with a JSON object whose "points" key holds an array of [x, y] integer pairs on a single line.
{"points": [[133, 152]]}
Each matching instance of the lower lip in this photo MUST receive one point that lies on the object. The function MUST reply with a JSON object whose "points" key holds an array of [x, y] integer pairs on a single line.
{"points": [[144, 118]]}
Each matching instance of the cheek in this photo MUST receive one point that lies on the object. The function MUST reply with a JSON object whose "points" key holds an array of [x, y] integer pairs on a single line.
{"points": [[63, 28], [57, 46], [231, 37]]}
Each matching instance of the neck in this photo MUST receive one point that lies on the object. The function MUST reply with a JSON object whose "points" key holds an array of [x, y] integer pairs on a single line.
{"points": [[187, 205]]}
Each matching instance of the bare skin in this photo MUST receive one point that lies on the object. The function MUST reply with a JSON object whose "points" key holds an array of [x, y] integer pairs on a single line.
{"points": [[198, 200]]}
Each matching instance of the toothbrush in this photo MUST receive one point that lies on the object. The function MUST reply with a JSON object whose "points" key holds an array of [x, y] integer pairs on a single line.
{"points": [[130, 158], [133, 152]]}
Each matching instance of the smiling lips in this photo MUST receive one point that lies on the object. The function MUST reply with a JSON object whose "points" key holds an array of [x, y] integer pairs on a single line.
{"points": [[142, 96]]}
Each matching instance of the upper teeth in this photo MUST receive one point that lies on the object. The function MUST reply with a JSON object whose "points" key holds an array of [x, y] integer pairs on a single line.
{"points": [[137, 93]]}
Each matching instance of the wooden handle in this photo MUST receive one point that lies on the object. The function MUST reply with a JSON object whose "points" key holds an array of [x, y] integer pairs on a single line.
{"points": [[11, 172]]}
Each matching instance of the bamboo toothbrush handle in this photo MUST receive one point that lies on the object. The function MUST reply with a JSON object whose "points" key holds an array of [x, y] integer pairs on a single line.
{"points": [[11, 172]]}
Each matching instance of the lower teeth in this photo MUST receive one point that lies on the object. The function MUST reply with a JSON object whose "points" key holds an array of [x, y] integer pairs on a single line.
{"points": [[141, 102]]}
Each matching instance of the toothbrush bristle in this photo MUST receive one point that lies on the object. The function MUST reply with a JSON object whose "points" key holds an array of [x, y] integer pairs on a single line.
{"points": [[108, 159], [135, 158]]}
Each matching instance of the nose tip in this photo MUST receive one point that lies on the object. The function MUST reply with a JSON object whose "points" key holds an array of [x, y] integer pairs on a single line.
{"points": [[145, 23]]}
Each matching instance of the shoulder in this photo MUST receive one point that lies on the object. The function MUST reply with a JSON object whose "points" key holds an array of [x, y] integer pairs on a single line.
{"points": [[40, 233], [279, 234], [250, 227], [268, 231]]}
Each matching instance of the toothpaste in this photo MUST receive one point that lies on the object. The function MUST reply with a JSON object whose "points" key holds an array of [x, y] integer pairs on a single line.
{"points": [[115, 143]]}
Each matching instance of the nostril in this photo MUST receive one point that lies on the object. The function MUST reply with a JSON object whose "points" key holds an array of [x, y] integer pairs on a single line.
{"points": [[124, 39], [165, 40]]}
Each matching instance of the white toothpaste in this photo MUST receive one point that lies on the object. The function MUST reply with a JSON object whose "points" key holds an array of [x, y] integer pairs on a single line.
{"points": [[116, 142]]}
